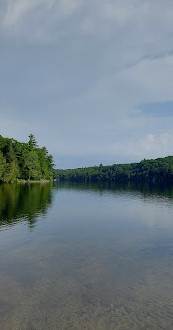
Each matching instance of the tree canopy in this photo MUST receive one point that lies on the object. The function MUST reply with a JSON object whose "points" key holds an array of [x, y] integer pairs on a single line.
{"points": [[159, 170], [24, 160]]}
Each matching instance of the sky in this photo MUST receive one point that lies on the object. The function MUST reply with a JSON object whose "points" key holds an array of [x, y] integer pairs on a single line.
{"points": [[92, 80]]}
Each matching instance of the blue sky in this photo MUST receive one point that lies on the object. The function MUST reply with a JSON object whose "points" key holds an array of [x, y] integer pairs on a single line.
{"points": [[92, 80]]}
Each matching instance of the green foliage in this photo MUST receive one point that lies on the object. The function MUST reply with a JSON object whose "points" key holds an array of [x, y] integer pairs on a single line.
{"points": [[11, 172], [24, 160], [2, 166], [158, 170], [32, 166]]}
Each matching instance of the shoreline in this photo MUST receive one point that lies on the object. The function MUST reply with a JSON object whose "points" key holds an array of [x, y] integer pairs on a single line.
{"points": [[34, 181], [27, 181]]}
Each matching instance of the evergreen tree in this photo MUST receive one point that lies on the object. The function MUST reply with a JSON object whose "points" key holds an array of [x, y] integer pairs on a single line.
{"points": [[32, 142]]}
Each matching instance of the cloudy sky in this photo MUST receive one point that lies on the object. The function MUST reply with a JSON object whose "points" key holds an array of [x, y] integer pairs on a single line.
{"points": [[92, 80]]}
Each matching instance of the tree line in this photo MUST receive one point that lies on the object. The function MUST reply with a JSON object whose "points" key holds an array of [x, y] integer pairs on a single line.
{"points": [[24, 161], [159, 170]]}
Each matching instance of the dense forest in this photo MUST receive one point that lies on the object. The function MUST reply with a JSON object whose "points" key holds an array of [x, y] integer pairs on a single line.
{"points": [[24, 161], [159, 170]]}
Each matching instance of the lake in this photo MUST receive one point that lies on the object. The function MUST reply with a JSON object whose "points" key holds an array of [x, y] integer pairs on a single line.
{"points": [[86, 257]]}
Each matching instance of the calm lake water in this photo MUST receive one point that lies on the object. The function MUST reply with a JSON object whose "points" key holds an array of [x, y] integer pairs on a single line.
{"points": [[86, 257]]}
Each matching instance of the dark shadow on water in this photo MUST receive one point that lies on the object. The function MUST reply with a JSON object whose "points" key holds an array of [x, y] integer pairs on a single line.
{"points": [[146, 189], [20, 202]]}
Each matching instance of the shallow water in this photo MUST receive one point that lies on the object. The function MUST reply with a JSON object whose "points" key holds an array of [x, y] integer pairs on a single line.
{"points": [[86, 257]]}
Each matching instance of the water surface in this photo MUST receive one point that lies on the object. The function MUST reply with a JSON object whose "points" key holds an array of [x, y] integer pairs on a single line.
{"points": [[86, 257]]}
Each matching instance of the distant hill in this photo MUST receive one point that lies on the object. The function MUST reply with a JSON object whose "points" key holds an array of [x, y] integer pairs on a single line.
{"points": [[153, 170], [24, 161]]}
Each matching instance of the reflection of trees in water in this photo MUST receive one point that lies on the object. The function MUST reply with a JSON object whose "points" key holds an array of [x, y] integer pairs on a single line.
{"points": [[146, 189], [19, 201]]}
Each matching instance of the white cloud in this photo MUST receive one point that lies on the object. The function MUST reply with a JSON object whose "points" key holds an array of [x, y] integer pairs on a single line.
{"points": [[17, 9], [149, 146], [82, 68], [111, 35], [132, 21]]}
